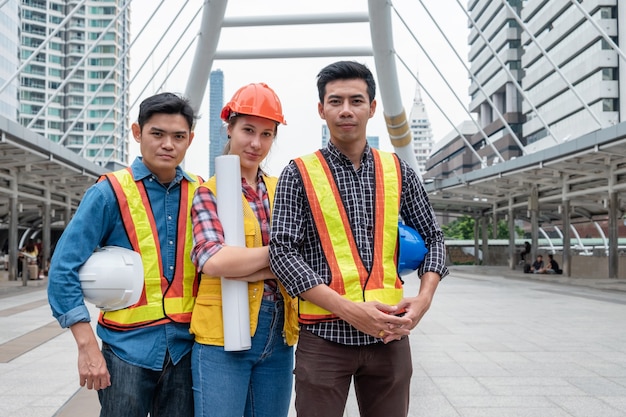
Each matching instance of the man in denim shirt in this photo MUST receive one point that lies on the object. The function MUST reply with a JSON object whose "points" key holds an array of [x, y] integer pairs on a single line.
{"points": [[144, 365]]}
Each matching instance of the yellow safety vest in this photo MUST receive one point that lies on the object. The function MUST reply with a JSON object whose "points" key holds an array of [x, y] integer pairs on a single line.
{"points": [[349, 277], [161, 301], [207, 323]]}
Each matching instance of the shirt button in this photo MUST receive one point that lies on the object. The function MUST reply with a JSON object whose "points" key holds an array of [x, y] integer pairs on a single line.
{"points": [[171, 267], [171, 242], [169, 217]]}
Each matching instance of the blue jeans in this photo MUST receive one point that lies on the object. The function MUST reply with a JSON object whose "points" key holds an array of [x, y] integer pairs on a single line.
{"points": [[251, 383], [136, 391]]}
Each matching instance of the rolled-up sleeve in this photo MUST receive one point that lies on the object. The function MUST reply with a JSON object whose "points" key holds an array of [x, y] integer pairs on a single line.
{"points": [[82, 235], [208, 233]]}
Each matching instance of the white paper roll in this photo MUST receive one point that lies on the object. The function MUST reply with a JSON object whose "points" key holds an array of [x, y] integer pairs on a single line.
{"points": [[235, 308]]}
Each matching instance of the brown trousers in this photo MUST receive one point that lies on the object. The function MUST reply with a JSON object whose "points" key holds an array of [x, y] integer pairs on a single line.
{"points": [[324, 371]]}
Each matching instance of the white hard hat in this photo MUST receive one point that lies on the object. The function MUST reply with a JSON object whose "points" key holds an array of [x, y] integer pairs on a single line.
{"points": [[112, 278]]}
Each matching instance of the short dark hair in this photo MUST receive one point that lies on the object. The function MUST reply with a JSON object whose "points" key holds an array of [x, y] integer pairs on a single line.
{"points": [[168, 103], [345, 70]]}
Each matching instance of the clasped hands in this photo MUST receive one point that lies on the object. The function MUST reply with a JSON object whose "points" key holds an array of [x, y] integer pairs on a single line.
{"points": [[386, 322]]}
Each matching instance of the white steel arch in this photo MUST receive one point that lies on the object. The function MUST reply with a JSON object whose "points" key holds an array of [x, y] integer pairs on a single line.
{"points": [[379, 17]]}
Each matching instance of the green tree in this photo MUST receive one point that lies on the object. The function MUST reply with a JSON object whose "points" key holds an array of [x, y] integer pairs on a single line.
{"points": [[463, 229]]}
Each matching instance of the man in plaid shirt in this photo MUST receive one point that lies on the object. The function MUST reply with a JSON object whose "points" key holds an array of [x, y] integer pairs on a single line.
{"points": [[329, 247]]}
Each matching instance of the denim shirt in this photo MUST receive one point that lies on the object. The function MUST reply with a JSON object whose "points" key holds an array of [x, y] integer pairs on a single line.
{"points": [[98, 222]]}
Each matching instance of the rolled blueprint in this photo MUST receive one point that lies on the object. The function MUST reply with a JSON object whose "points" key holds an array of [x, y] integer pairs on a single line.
{"points": [[235, 308]]}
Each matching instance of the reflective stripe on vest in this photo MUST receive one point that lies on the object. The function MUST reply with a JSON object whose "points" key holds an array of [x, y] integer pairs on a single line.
{"points": [[161, 301], [349, 277]]}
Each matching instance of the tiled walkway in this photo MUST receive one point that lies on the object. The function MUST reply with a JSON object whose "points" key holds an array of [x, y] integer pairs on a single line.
{"points": [[496, 343]]}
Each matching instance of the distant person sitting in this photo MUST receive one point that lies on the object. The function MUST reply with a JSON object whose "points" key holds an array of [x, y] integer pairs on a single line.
{"points": [[525, 252], [553, 266], [537, 267], [30, 252]]}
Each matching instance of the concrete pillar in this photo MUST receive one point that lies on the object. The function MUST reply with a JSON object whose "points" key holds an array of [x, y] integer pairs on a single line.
{"points": [[68, 212], [485, 238], [567, 233], [45, 235], [494, 220], [476, 229], [512, 254], [13, 231], [613, 243], [512, 103], [485, 114], [533, 207], [498, 101]]}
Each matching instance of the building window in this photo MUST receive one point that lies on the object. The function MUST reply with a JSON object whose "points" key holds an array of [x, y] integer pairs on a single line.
{"points": [[606, 45], [610, 104], [609, 74], [53, 72], [512, 23], [607, 13]]}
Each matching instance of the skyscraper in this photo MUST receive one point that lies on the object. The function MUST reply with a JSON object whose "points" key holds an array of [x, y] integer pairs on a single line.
{"points": [[551, 70], [373, 141], [495, 64], [421, 130], [9, 59], [581, 53], [74, 90], [217, 133], [548, 71]]}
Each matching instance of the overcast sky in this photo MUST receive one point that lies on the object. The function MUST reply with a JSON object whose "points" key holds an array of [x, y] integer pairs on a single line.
{"points": [[294, 79]]}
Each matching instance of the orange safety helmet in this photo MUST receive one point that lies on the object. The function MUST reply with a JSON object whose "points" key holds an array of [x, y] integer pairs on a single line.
{"points": [[256, 99]]}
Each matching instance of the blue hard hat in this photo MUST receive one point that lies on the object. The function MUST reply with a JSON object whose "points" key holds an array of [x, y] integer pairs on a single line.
{"points": [[412, 249]]}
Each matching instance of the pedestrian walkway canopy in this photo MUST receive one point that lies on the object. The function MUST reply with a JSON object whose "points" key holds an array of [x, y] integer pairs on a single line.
{"points": [[585, 171], [36, 173]]}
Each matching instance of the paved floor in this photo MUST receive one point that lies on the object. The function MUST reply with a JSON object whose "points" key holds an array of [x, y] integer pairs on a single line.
{"points": [[496, 343]]}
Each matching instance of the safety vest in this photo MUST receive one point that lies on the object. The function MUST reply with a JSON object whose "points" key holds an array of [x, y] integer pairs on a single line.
{"points": [[349, 277], [161, 301], [207, 323]]}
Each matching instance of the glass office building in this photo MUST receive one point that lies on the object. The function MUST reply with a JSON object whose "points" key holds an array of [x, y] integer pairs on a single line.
{"points": [[217, 132]]}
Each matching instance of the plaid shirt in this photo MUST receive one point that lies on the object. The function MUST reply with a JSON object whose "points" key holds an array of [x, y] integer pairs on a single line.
{"points": [[208, 234], [296, 255]]}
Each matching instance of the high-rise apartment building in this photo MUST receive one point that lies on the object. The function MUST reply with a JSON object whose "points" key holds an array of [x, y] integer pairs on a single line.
{"points": [[217, 133], [9, 59], [421, 129], [325, 135], [548, 71], [74, 91], [495, 64], [564, 49], [373, 141]]}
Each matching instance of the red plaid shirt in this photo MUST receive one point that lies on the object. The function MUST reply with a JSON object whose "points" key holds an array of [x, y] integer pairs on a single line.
{"points": [[208, 234]]}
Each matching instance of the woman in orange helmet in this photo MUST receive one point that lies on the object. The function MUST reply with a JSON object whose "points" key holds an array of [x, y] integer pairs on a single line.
{"points": [[258, 381]]}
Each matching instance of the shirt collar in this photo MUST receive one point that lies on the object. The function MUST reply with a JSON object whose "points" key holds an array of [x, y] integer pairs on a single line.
{"points": [[140, 171], [336, 153]]}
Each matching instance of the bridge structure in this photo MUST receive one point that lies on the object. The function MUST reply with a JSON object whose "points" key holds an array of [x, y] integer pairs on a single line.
{"points": [[41, 183]]}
